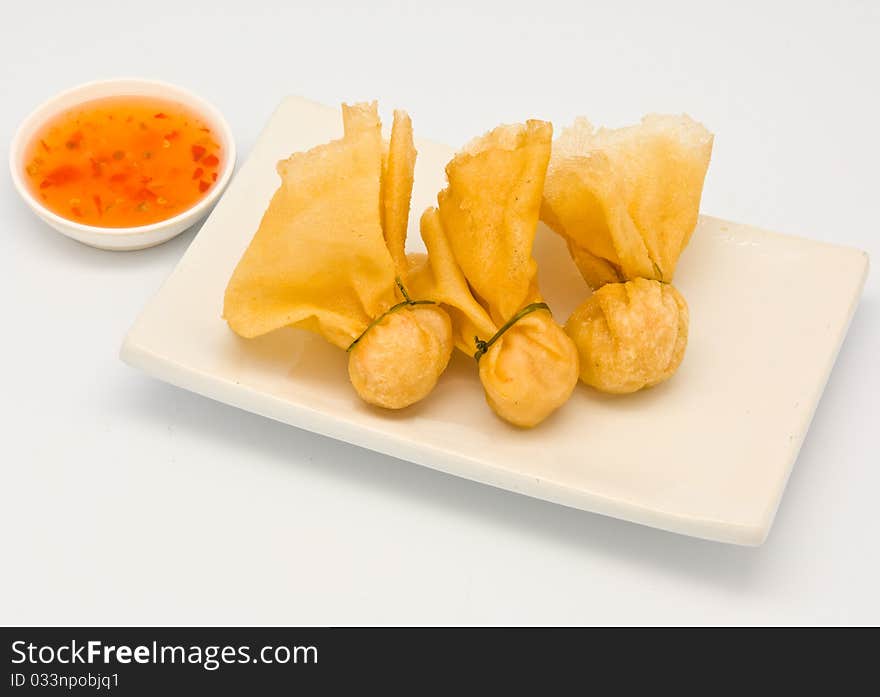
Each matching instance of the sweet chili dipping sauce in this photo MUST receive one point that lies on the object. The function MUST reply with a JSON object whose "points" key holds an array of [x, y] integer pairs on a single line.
{"points": [[123, 161]]}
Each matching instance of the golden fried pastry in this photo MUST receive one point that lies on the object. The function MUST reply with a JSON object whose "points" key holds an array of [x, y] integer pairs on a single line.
{"points": [[397, 183], [627, 199], [322, 261], [530, 371], [630, 335], [480, 267], [398, 361]]}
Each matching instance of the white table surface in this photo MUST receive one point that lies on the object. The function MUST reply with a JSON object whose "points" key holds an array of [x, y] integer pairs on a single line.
{"points": [[124, 500]]}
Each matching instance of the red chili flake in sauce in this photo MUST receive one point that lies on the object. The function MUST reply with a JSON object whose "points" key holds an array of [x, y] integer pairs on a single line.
{"points": [[210, 161], [197, 152], [59, 176], [144, 194], [74, 140], [204, 186], [197, 173]]}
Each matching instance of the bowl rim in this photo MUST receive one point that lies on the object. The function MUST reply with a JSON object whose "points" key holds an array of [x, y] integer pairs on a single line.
{"points": [[44, 111]]}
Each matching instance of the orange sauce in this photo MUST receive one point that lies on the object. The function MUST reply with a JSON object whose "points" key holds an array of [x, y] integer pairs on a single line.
{"points": [[123, 161]]}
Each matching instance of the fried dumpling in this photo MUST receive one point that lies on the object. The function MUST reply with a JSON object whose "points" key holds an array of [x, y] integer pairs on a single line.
{"points": [[480, 267], [398, 361], [630, 335], [320, 260], [530, 371], [627, 201]]}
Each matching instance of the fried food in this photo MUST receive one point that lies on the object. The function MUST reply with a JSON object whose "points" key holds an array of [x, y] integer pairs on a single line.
{"points": [[489, 212], [359, 118], [480, 267], [320, 261], [627, 199], [530, 371], [399, 360], [397, 184], [630, 335], [398, 170], [438, 276], [329, 256]]}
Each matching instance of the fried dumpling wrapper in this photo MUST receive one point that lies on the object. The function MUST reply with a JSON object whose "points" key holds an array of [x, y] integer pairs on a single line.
{"points": [[627, 200], [480, 266], [489, 212], [630, 335], [398, 171], [319, 261], [397, 184]]}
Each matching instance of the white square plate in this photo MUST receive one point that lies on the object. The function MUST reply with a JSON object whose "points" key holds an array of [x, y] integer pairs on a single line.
{"points": [[706, 454]]}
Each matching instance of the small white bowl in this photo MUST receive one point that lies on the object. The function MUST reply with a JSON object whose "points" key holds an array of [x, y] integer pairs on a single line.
{"points": [[132, 237]]}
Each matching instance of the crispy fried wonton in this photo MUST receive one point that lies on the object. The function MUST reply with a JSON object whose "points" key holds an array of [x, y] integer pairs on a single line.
{"points": [[627, 202], [321, 260], [480, 267], [630, 335]]}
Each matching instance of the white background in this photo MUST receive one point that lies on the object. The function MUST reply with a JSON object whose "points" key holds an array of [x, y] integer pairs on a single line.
{"points": [[124, 500]]}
